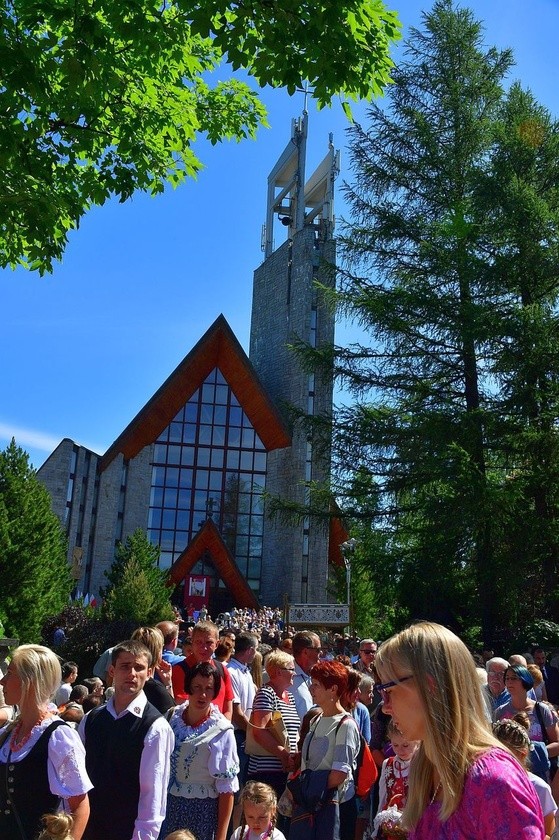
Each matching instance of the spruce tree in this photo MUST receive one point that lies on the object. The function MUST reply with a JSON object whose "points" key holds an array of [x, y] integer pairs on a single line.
{"points": [[520, 201], [450, 267], [138, 554], [132, 598], [35, 578], [413, 280]]}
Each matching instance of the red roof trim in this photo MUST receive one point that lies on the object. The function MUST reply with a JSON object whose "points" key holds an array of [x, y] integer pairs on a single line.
{"points": [[338, 535], [217, 348], [209, 539]]}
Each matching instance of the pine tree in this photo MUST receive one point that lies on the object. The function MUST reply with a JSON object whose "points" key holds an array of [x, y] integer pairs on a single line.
{"points": [[520, 200], [132, 598], [35, 578], [137, 556], [414, 281], [450, 266]]}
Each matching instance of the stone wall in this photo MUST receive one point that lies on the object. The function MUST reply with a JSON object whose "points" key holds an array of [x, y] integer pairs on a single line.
{"points": [[284, 297]]}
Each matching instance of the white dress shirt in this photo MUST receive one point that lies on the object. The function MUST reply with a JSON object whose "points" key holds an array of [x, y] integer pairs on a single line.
{"points": [[243, 685], [154, 768], [300, 691]]}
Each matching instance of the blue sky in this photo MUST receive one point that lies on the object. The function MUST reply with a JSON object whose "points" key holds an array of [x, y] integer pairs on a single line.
{"points": [[83, 349]]}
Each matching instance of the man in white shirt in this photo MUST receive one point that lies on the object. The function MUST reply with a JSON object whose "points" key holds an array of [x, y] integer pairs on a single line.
{"points": [[306, 651], [69, 677], [128, 746], [244, 689]]}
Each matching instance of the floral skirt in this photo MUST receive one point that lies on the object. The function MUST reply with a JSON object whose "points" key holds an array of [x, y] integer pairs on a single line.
{"points": [[197, 815]]}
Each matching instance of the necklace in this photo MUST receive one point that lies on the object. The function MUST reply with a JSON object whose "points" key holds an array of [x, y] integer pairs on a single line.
{"points": [[17, 742], [198, 722], [437, 789]]}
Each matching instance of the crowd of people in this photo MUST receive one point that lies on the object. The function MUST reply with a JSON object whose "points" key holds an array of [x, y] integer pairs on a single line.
{"points": [[248, 730]]}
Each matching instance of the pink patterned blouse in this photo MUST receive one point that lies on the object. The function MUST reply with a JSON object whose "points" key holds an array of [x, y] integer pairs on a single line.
{"points": [[498, 803]]}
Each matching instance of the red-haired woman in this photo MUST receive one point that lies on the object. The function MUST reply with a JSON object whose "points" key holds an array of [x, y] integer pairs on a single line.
{"points": [[332, 745]]}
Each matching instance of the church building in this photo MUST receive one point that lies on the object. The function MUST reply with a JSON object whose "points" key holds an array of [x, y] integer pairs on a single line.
{"points": [[194, 468]]}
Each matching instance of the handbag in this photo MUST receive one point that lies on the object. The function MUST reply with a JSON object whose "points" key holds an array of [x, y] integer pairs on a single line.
{"points": [[309, 789], [276, 728], [366, 772]]}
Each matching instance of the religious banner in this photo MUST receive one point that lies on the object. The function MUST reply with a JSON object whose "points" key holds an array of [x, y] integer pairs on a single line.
{"points": [[197, 591]]}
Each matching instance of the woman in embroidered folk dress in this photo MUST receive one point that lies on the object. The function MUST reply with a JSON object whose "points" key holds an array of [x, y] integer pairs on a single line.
{"points": [[42, 759], [463, 783], [204, 763]]}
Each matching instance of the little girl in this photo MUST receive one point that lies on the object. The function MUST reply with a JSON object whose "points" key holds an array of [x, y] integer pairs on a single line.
{"points": [[393, 785], [181, 834], [259, 805], [515, 736], [57, 827]]}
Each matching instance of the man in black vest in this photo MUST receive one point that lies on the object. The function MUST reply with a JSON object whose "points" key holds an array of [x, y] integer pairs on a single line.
{"points": [[549, 673], [128, 745]]}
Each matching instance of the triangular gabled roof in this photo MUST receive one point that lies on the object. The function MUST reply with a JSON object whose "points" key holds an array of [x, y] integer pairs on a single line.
{"points": [[217, 348], [209, 539]]}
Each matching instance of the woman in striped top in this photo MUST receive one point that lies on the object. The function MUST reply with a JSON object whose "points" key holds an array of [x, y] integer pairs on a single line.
{"points": [[272, 769]]}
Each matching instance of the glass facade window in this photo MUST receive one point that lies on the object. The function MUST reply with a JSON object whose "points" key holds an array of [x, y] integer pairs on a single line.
{"points": [[209, 463]]}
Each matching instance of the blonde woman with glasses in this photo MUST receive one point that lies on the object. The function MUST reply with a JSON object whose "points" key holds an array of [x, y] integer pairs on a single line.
{"points": [[463, 783]]}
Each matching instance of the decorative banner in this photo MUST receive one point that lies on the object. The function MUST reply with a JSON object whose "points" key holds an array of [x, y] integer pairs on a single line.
{"points": [[197, 591], [324, 615]]}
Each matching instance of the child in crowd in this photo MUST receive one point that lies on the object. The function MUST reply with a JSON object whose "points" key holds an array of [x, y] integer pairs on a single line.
{"points": [[515, 736], [181, 834], [393, 785], [57, 827], [259, 806]]}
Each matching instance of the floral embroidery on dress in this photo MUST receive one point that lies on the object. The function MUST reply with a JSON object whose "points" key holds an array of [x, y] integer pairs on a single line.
{"points": [[193, 774]]}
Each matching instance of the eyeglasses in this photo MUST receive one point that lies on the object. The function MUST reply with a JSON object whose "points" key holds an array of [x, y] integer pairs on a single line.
{"points": [[383, 687], [370, 651], [288, 669]]}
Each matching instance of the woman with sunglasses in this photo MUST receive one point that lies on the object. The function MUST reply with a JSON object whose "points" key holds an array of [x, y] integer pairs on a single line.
{"points": [[463, 783]]}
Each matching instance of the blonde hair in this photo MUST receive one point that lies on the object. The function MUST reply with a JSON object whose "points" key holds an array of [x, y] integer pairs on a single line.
{"points": [[456, 729], [39, 671], [259, 793], [276, 660], [523, 719], [207, 628], [513, 735], [57, 827], [535, 673], [180, 834], [392, 729], [152, 638]]}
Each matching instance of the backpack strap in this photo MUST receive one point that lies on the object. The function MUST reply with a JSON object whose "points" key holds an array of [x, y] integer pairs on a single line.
{"points": [[539, 715]]}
